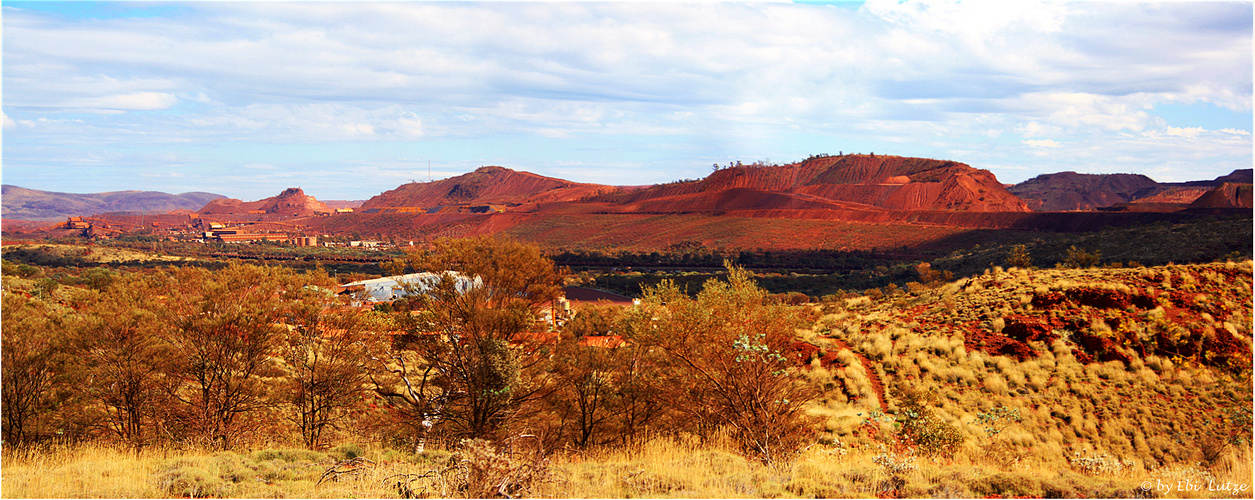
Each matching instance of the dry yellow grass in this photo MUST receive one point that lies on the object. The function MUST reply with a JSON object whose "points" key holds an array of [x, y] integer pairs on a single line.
{"points": [[662, 467], [94, 471]]}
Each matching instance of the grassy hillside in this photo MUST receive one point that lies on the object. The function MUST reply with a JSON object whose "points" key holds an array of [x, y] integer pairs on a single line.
{"points": [[1150, 365]]}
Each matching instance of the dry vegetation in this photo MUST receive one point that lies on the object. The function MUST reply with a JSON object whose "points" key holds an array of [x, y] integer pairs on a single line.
{"points": [[1132, 382]]}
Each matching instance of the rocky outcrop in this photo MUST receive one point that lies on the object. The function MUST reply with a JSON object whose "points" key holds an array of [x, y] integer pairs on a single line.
{"points": [[292, 201]]}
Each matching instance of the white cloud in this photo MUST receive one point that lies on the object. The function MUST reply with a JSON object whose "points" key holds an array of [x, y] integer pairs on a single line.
{"points": [[135, 101], [8, 123], [409, 124], [1187, 132], [358, 129], [1043, 143], [695, 80]]}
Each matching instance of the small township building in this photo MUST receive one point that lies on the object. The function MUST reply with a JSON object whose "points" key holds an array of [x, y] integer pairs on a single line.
{"points": [[390, 288]]}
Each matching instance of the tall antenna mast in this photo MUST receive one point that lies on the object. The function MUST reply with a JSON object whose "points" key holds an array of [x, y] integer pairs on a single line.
{"points": [[429, 171]]}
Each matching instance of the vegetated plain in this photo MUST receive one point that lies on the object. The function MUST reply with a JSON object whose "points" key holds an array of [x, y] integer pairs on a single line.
{"points": [[1076, 379]]}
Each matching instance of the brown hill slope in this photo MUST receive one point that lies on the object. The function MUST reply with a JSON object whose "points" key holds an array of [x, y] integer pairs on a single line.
{"points": [[292, 201], [486, 185], [886, 182]]}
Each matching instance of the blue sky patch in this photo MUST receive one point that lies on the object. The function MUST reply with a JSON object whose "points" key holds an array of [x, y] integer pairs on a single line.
{"points": [[1201, 114]]}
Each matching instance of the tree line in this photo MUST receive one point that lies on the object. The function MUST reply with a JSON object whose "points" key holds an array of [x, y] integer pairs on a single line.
{"points": [[248, 355]]}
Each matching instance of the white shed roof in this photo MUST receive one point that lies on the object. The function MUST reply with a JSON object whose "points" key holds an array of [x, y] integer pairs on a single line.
{"points": [[391, 288]]}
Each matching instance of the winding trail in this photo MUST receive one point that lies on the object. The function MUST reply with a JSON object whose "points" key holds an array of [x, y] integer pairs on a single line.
{"points": [[872, 376]]}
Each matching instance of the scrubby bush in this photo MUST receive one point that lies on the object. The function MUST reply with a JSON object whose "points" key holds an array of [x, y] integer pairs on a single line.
{"points": [[1079, 258], [920, 424], [1018, 257]]}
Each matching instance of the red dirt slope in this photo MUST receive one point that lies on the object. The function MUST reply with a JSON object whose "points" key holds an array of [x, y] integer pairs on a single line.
{"points": [[292, 201], [484, 186], [1227, 195]]}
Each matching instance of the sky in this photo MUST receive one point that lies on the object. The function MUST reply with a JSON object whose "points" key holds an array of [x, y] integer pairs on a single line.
{"points": [[350, 99]]}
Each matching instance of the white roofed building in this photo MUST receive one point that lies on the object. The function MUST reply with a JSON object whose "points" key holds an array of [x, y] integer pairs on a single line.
{"points": [[390, 288]]}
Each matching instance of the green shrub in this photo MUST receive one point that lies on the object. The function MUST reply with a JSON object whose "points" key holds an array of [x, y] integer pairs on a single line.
{"points": [[347, 451], [1018, 257], [921, 425], [290, 455], [1079, 258], [46, 286]]}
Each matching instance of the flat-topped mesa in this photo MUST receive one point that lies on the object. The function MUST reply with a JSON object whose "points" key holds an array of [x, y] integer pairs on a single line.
{"points": [[890, 182], [1072, 191], [486, 185], [292, 201]]}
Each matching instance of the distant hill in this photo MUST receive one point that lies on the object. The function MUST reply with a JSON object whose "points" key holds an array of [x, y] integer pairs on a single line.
{"points": [[32, 204], [1133, 192], [292, 201], [1072, 191]]}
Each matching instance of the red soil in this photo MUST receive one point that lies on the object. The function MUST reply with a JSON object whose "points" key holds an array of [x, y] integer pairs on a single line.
{"points": [[996, 344], [1194, 337], [874, 378]]}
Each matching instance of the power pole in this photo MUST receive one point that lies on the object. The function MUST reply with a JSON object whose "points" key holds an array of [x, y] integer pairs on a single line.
{"points": [[429, 171]]}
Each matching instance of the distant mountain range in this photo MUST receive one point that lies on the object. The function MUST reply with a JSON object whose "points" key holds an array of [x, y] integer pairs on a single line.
{"points": [[31, 204], [845, 201], [1072, 191]]}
